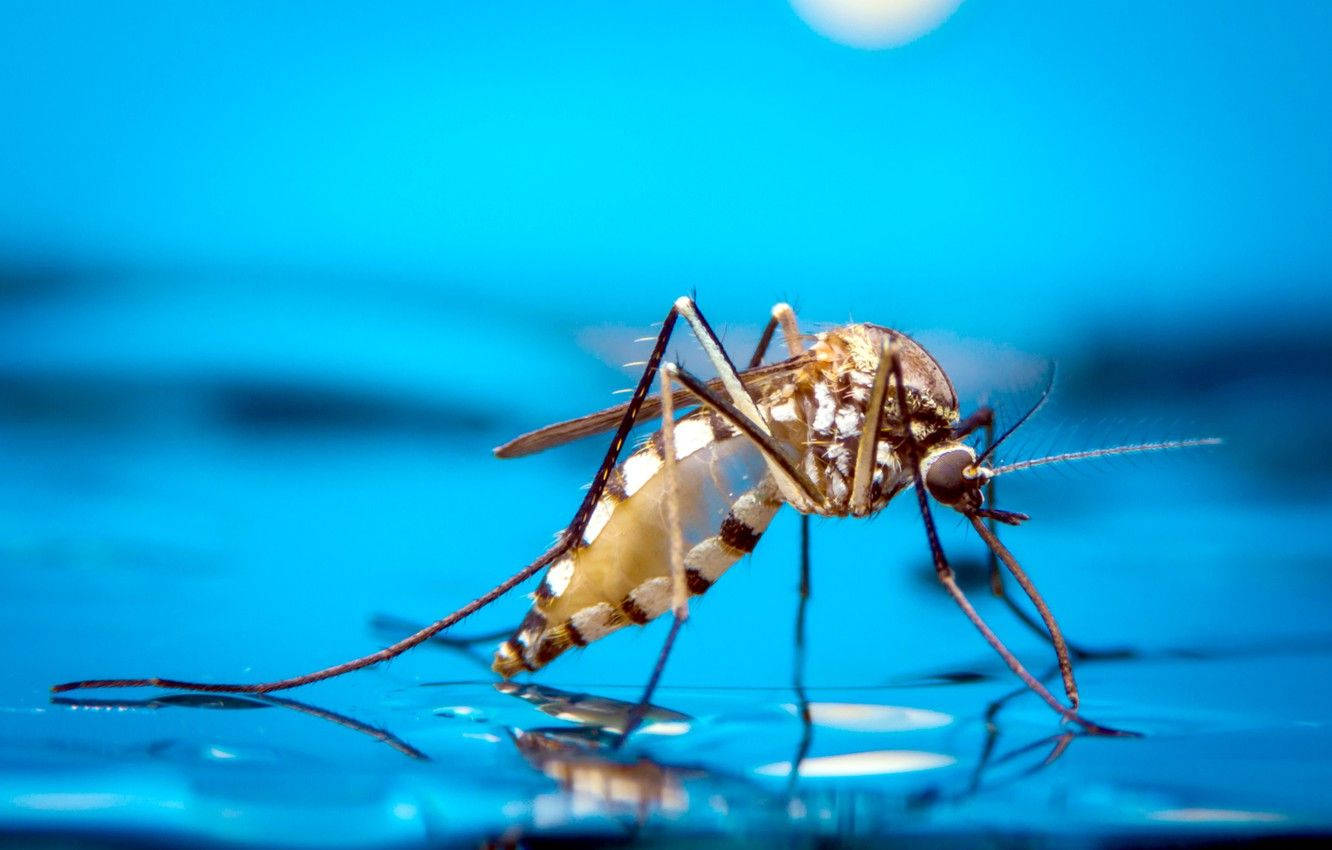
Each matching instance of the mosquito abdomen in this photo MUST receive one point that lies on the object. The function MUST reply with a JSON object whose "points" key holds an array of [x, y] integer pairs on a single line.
{"points": [[620, 575]]}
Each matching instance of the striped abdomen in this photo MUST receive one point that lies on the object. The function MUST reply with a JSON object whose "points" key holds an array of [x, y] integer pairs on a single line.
{"points": [[620, 573]]}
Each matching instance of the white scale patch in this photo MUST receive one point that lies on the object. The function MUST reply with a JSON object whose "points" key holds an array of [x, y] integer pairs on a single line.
{"points": [[837, 489], [601, 515], [884, 455], [784, 412], [753, 510], [813, 469], [848, 421], [840, 457], [653, 597], [826, 409], [710, 558], [639, 469], [594, 621], [557, 580], [690, 436]]}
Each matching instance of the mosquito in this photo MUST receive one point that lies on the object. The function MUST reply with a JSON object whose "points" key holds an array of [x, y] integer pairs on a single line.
{"points": [[837, 429]]}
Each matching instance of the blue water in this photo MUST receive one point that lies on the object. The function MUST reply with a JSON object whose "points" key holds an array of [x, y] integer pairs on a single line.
{"points": [[272, 287]]}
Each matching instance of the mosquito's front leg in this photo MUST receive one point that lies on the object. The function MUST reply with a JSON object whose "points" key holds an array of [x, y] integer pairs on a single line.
{"points": [[945, 572], [867, 449]]}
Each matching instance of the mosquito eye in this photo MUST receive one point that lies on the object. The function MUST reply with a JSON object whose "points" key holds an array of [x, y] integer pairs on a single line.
{"points": [[946, 479]]}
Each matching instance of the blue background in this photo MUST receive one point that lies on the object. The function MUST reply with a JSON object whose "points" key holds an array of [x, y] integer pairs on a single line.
{"points": [[275, 278]]}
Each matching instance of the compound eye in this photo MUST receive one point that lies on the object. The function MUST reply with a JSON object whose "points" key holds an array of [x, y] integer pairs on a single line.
{"points": [[946, 479]]}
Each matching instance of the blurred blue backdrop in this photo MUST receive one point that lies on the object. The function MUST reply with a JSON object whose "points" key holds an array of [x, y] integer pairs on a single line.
{"points": [[275, 277]]}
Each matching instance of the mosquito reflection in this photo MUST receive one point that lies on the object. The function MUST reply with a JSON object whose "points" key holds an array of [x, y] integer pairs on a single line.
{"points": [[230, 703]]}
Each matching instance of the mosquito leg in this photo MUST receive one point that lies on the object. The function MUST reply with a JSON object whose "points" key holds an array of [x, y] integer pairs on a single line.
{"points": [[571, 535], [388, 624], [464, 645], [783, 315], [786, 317], [253, 700], [981, 417], [867, 449], [795, 488], [721, 361], [675, 545], [984, 417], [798, 677], [945, 572], [997, 584], [773, 453], [1056, 636], [760, 350]]}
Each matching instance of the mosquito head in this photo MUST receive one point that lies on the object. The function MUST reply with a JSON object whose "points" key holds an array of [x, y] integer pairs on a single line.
{"points": [[953, 477]]}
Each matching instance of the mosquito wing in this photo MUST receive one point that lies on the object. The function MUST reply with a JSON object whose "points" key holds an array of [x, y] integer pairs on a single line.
{"points": [[756, 380]]}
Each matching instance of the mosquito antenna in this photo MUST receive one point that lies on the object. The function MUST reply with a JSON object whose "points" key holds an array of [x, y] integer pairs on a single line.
{"points": [[1045, 394], [1113, 450]]}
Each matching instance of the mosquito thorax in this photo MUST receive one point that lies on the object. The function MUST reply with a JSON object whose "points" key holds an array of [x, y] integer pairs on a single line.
{"points": [[952, 477]]}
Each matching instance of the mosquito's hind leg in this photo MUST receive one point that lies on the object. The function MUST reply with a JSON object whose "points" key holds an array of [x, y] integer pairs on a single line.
{"points": [[465, 645], [675, 546], [566, 541]]}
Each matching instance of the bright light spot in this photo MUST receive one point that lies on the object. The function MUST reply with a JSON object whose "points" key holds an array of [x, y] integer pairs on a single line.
{"points": [[665, 727], [69, 802], [1215, 816], [857, 717], [456, 711], [404, 811], [874, 24], [872, 763], [488, 737], [219, 753]]}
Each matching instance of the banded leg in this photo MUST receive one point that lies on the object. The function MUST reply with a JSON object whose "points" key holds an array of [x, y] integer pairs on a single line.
{"points": [[986, 417], [675, 535], [744, 412], [571, 535], [779, 461], [1047, 616], [945, 572], [552, 626], [783, 316]]}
